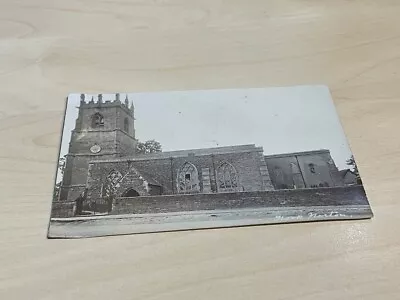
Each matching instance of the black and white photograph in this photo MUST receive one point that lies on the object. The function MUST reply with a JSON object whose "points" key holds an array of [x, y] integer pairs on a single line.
{"points": [[184, 160]]}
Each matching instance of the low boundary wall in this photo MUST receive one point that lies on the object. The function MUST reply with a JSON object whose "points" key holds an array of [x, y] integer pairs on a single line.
{"points": [[338, 196]]}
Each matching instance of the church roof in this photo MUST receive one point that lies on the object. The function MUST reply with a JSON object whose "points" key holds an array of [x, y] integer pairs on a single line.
{"points": [[321, 151], [185, 153], [206, 151]]}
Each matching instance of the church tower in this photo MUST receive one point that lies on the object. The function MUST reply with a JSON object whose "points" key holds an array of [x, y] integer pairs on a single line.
{"points": [[103, 130]]}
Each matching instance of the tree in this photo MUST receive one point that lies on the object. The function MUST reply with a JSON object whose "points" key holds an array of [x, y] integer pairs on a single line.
{"points": [[61, 164], [61, 168], [56, 191], [352, 163], [147, 147]]}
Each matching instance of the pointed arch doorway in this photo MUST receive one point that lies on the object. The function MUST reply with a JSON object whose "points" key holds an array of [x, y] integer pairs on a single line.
{"points": [[130, 193]]}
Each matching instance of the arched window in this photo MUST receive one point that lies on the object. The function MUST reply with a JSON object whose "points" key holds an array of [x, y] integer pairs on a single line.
{"points": [[126, 125], [114, 177], [312, 168], [112, 183], [188, 179], [227, 179], [97, 120]]}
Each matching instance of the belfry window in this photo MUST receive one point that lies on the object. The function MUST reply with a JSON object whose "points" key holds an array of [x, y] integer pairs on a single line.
{"points": [[126, 125], [227, 178], [188, 179], [97, 120]]}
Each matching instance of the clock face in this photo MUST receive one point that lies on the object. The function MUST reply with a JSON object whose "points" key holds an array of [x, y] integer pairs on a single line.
{"points": [[95, 149]]}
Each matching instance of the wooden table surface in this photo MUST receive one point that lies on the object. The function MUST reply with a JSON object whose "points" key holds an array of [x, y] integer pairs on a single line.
{"points": [[51, 48]]}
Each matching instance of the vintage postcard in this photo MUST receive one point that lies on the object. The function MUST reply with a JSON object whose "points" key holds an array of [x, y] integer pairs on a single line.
{"points": [[151, 162]]}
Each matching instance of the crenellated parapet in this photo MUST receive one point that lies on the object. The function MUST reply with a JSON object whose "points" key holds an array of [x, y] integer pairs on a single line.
{"points": [[90, 101]]}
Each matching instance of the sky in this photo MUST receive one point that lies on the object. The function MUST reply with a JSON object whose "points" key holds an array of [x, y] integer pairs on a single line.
{"points": [[281, 120]]}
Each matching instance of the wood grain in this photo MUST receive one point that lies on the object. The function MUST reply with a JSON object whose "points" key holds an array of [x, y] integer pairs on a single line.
{"points": [[51, 48]]}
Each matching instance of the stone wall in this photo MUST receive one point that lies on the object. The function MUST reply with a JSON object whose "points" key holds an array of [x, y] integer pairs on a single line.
{"points": [[62, 209], [160, 170], [125, 145], [97, 179], [163, 171], [111, 137], [111, 112], [304, 169], [75, 175], [324, 167], [71, 193], [354, 195]]}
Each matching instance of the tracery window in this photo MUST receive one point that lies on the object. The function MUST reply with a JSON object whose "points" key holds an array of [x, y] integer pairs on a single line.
{"points": [[188, 179], [114, 177], [227, 178], [112, 183]]}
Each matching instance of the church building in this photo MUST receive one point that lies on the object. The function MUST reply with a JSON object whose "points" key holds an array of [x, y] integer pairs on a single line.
{"points": [[102, 164]]}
